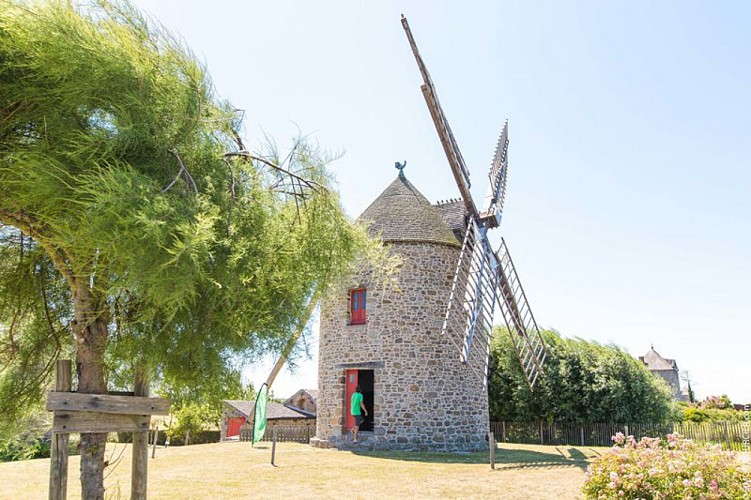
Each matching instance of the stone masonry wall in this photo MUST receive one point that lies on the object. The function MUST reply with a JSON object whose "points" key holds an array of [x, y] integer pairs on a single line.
{"points": [[424, 397], [672, 379]]}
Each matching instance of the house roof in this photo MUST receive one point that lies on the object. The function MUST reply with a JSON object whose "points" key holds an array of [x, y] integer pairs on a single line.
{"points": [[274, 410], [402, 214], [313, 393], [656, 362]]}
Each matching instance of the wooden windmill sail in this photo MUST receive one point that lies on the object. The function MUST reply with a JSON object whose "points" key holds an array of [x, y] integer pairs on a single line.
{"points": [[484, 279]]}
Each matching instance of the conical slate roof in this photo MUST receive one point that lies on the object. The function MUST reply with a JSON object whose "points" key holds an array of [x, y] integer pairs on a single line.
{"points": [[656, 362], [402, 214]]}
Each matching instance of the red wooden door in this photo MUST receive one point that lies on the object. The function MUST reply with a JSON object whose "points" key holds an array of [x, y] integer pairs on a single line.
{"points": [[233, 425], [350, 385]]}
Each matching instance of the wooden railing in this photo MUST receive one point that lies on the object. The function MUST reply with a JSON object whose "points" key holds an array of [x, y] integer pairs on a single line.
{"points": [[730, 434]]}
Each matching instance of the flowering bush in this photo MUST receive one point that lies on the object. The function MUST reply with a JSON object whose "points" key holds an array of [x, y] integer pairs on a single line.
{"points": [[716, 402], [654, 468]]}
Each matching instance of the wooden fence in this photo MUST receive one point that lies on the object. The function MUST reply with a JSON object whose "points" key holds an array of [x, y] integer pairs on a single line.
{"points": [[730, 434], [291, 433]]}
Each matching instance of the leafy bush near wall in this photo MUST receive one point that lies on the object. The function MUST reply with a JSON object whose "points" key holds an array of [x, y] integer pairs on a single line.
{"points": [[200, 437], [31, 444], [665, 469], [24, 448]]}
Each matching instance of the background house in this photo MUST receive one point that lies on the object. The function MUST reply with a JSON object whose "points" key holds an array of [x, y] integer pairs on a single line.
{"points": [[667, 369], [297, 411], [303, 401]]}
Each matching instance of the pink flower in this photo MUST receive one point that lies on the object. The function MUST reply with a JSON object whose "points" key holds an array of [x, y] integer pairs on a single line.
{"points": [[713, 485], [619, 438], [672, 440]]}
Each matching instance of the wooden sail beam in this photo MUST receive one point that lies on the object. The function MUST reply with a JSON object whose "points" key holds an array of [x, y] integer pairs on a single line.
{"points": [[472, 302], [450, 147]]}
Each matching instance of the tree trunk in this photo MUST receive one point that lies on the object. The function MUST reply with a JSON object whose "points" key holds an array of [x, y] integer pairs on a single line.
{"points": [[90, 329]]}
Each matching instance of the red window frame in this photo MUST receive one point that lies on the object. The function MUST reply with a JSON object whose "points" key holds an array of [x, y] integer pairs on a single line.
{"points": [[357, 306]]}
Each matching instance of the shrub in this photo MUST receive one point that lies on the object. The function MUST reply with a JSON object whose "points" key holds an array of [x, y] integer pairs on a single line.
{"points": [[665, 469], [692, 413], [24, 447], [200, 437], [32, 443]]}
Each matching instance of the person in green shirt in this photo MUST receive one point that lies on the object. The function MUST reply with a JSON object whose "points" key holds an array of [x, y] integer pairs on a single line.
{"points": [[356, 408]]}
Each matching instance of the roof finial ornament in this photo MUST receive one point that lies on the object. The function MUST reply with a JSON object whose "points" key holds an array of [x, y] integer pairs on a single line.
{"points": [[400, 168]]}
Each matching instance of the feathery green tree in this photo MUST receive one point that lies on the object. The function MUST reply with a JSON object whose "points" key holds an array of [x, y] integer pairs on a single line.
{"points": [[134, 225]]}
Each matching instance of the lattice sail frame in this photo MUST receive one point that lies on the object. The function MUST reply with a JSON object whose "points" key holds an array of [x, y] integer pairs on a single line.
{"points": [[493, 207], [528, 342], [483, 281]]}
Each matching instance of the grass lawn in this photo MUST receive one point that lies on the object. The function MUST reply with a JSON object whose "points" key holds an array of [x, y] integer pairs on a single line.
{"points": [[237, 470]]}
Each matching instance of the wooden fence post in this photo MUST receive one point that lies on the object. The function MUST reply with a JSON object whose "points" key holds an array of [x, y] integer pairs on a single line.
{"points": [[156, 438], [60, 440], [492, 451], [273, 447], [542, 441], [581, 429], [139, 472]]}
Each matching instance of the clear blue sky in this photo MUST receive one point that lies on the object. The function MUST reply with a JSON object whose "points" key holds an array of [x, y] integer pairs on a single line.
{"points": [[627, 211]]}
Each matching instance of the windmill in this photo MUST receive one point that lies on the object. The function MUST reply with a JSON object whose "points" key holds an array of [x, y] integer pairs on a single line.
{"points": [[484, 279]]}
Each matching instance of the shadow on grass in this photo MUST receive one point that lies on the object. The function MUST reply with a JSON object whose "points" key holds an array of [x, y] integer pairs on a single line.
{"points": [[505, 459]]}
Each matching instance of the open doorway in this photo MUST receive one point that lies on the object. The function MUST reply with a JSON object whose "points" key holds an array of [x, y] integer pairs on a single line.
{"points": [[365, 379]]}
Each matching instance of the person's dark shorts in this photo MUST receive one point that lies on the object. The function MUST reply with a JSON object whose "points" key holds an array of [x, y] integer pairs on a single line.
{"points": [[359, 419]]}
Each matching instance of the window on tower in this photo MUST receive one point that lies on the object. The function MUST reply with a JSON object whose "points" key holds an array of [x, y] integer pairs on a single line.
{"points": [[357, 305]]}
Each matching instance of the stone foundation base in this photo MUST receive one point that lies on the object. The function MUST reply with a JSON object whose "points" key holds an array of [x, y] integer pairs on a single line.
{"points": [[319, 443], [368, 441]]}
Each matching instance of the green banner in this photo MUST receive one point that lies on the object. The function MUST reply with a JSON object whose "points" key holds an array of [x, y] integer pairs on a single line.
{"points": [[259, 414]]}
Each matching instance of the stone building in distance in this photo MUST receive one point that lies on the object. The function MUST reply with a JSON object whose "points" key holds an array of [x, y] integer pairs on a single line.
{"points": [[418, 394], [667, 369]]}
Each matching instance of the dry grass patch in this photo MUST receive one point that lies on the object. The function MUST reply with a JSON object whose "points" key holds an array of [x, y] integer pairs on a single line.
{"points": [[237, 470]]}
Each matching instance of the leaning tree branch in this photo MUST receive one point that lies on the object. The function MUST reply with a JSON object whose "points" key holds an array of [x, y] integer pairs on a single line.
{"points": [[315, 186], [182, 172], [232, 193], [26, 224], [238, 139]]}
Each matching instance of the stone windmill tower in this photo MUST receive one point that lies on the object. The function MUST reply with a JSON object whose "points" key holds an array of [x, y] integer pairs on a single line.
{"points": [[418, 395], [402, 348]]}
